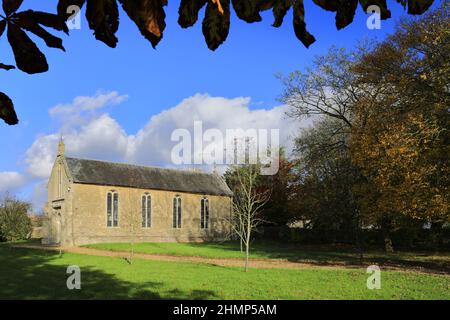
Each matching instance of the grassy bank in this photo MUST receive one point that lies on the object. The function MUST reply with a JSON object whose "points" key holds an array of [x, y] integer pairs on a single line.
{"points": [[272, 250], [35, 274]]}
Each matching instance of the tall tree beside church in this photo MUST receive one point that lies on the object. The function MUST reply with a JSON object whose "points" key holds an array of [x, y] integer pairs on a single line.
{"points": [[390, 100], [400, 138], [325, 195], [326, 91]]}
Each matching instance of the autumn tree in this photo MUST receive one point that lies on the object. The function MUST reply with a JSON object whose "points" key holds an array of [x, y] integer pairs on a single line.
{"points": [[327, 92], [389, 105], [278, 210], [325, 195], [400, 138]]}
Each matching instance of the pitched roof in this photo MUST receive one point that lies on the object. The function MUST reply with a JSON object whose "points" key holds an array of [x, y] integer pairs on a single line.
{"points": [[126, 175]]}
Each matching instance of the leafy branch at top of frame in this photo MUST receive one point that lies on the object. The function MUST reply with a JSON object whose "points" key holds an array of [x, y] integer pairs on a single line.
{"points": [[149, 16]]}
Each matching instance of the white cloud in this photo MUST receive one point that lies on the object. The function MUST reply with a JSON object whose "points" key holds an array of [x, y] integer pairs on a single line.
{"points": [[152, 144], [102, 137], [85, 103], [39, 195], [84, 109], [40, 156], [97, 135], [11, 181]]}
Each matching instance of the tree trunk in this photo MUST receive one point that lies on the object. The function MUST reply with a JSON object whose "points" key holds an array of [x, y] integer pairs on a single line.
{"points": [[247, 253], [388, 247], [247, 245], [132, 252], [132, 245], [359, 244]]}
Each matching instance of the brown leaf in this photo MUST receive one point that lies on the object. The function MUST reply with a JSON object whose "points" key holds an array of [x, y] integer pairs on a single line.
{"points": [[6, 67], [50, 20], [149, 16], [103, 18], [28, 20], [419, 6], [64, 5], [7, 112], [247, 10], [2, 30], [216, 25], [10, 6], [219, 5], [28, 57], [280, 8], [345, 13], [327, 5], [300, 26], [2, 27], [345, 10], [385, 13], [188, 12]]}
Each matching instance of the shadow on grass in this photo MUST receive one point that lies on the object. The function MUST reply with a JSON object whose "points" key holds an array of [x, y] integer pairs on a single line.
{"points": [[320, 255], [328, 255], [349, 255], [29, 274]]}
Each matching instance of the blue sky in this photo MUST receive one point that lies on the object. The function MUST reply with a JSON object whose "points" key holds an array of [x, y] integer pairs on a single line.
{"points": [[153, 81]]}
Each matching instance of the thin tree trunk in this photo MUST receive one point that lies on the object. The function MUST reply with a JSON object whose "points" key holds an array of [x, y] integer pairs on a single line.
{"points": [[247, 253], [359, 243], [388, 247], [132, 250], [132, 245], [359, 240], [247, 245]]}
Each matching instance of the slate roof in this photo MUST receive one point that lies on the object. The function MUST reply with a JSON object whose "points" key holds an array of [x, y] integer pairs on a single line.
{"points": [[126, 175]]}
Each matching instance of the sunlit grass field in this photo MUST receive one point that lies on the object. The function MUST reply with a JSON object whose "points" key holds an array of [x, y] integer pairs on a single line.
{"points": [[36, 274], [274, 250]]}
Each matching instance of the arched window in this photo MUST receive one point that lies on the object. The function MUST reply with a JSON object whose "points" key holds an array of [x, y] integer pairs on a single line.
{"points": [[112, 209], [177, 212], [204, 213], [146, 211]]}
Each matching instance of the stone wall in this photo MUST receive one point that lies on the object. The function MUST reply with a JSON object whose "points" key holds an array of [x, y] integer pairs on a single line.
{"points": [[58, 205], [86, 221]]}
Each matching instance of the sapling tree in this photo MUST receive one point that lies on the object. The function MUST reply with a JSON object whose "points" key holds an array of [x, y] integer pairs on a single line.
{"points": [[248, 201]]}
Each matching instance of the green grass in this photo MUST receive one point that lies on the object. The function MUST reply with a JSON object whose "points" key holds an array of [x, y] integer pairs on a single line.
{"points": [[35, 274], [272, 250]]}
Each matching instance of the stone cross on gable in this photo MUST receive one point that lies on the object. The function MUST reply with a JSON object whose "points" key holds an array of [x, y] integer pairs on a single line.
{"points": [[61, 147]]}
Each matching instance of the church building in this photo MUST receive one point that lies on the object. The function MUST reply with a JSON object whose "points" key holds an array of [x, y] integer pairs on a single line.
{"points": [[92, 201]]}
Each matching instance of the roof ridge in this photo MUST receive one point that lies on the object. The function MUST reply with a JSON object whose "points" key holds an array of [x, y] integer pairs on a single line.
{"points": [[146, 167]]}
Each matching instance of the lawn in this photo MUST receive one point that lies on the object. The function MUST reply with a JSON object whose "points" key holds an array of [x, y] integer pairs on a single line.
{"points": [[36, 274], [307, 254]]}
